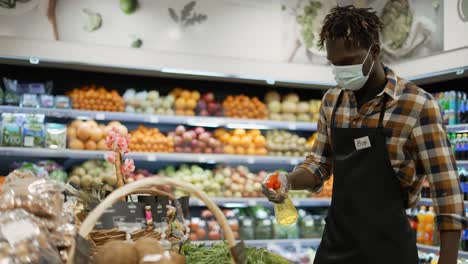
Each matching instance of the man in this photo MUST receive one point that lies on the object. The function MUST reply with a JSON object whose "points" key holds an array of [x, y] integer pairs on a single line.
{"points": [[380, 136]]}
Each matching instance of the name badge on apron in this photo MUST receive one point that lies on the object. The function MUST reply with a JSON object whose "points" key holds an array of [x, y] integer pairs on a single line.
{"points": [[362, 143]]}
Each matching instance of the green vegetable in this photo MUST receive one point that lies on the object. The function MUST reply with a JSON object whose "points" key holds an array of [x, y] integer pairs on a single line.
{"points": [[137, 43], [128, 6], [219, 253], [307, 20], [56, 136], [397, 19], [187, 15], [93, 20]]}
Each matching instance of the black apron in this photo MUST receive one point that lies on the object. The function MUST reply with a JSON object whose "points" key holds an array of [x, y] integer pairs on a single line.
{"points": [[366, 221]]}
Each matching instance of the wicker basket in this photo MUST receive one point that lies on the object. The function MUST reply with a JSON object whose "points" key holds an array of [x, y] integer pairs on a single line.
{"points": [[88, 224], [102, 236]]}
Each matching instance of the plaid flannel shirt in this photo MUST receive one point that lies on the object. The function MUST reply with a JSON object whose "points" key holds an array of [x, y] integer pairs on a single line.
{"points": [[418, 147]]}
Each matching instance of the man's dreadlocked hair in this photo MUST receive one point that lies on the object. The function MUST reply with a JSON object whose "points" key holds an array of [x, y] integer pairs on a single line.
{"points": [[359, 27]]}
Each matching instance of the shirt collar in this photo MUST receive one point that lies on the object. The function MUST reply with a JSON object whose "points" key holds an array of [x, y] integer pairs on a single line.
{"points": [[391, 87]]}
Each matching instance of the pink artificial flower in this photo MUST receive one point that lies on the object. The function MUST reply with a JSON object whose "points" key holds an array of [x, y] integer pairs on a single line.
{"points": [[115, 130], [122, 144], [128, 166], [110, 157], [110, 140]]}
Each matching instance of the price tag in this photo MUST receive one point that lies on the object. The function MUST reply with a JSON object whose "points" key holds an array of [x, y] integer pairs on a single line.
{"points": [[100, 116], [28, 141], [292, 126], [295, 203], [154, 119], [202, 159], [294, 162], [250, 160], [151, 157], [251, 202]]}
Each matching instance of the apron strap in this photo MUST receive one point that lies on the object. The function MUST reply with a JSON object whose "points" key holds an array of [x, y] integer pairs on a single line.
{"points": [[382, 110], [338, 102]]}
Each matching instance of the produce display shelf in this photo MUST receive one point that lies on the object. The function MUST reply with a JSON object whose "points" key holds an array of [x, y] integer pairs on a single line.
{"points": [[462, 162], [457, 128], [244, 202], [162, 119], [436, 249], [313, 242], [143, 156]]}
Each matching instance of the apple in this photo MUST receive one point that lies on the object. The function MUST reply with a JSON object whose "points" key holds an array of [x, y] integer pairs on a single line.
{"points": [[204, 113], [208, 97], [187, 149], [194, 143], [212, 107], [208, 150], [178, 140], [199, 130], [180, 130]]}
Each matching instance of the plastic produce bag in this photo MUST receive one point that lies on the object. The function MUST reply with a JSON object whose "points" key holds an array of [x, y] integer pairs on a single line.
{"points": [[56, 136], [38, 196], [24, 239]]}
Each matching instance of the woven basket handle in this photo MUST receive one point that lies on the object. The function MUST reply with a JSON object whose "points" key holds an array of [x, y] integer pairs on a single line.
{"points": [[91, 220]]}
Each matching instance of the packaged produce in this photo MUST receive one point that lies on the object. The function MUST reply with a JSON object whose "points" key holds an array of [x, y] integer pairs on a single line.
{"points": [[195, 140], [145, 139], [38, 196], [12, 130], [62, 102], [242, 106], [12, 93], [29, 100], [34, 131], [185, 101], [207, 106], [2, 93], [42, 169], [246, 228], [56, 136], [31, 245], [148, 102], [98, 99], [284, 143], [242, 142], [286, 231], [46, 101], [290, 108]]}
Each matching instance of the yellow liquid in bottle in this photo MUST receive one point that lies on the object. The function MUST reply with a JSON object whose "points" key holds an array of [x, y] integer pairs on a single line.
{"points": [[286, 213]]}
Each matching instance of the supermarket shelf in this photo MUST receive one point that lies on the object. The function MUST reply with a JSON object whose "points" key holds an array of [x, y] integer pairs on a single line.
{"points": [[434, 249], [314, 242], [169, 120], [428, 202], [244, 202], [168, 157], [457, 128], [462, 162]]}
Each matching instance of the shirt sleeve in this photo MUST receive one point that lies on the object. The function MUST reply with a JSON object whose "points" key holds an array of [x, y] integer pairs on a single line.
{"points": [[318, 161], [436, 160]]}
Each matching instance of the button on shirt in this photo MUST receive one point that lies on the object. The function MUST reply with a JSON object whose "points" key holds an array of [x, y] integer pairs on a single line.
{"points": [[418, 146]]}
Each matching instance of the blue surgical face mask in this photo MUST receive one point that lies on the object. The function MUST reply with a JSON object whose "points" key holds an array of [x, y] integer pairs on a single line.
{"points": [[351, 77]]}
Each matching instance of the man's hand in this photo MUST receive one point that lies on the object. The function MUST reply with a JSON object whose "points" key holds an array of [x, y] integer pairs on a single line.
{"points": [[280, 194], [449, 247]]}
